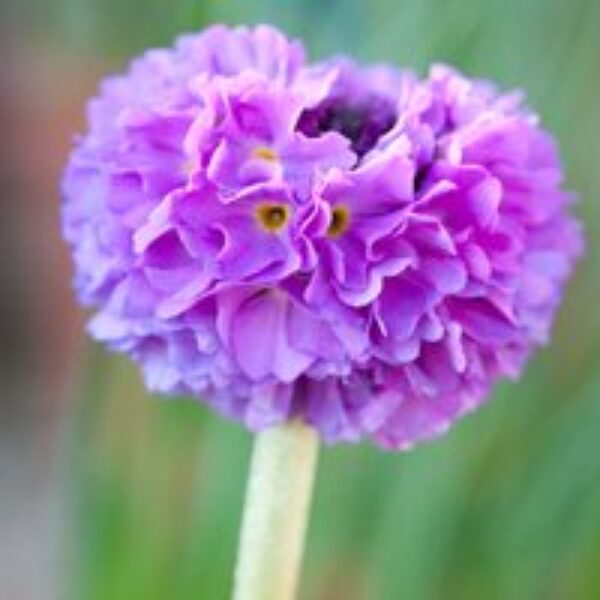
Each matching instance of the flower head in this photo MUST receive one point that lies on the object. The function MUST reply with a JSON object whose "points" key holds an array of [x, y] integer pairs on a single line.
{"points": [[362, 248]]}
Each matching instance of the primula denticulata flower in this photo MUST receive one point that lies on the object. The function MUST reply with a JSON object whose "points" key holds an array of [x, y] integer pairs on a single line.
{"points": [[356, 246]]}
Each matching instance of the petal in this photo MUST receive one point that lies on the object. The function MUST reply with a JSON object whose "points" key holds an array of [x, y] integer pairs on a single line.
{"points": [[271, 352], [399, 308]]}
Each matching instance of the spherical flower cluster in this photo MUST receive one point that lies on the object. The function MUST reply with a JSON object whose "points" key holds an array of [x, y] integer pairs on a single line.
{"points": [[356, 247]]}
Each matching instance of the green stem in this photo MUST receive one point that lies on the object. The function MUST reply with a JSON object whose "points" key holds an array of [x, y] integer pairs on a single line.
{"points": [[276, 513]]}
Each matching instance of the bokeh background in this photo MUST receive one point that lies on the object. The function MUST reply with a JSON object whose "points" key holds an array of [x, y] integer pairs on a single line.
{"points": [[108, 495]]}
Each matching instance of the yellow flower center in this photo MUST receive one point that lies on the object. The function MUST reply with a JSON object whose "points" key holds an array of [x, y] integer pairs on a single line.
{"points": [[265, 153], [188, 166], [272, 217], [340, 220]]}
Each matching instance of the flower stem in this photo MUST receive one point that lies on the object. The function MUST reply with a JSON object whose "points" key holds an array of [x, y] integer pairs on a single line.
{"points": [[276, 513]]}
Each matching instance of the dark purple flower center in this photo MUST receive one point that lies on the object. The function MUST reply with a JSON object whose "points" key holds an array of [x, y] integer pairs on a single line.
{"points": [[363, 123]]}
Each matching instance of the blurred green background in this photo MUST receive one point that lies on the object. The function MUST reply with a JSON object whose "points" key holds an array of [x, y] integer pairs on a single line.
{"points": [[106, 494]]}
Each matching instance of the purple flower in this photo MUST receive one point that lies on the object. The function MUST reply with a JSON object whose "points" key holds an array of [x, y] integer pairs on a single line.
{"points": [[366, 249]]}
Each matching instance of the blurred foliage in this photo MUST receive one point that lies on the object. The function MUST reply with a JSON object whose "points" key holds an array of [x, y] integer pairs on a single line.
{"points": [[507, 506]]}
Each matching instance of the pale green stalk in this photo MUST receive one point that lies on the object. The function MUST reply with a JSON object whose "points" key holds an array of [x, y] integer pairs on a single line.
{"points": [[276, 513]]}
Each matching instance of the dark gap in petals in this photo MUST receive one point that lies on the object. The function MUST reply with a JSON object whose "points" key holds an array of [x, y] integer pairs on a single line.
{"points": [[363, 123]]}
